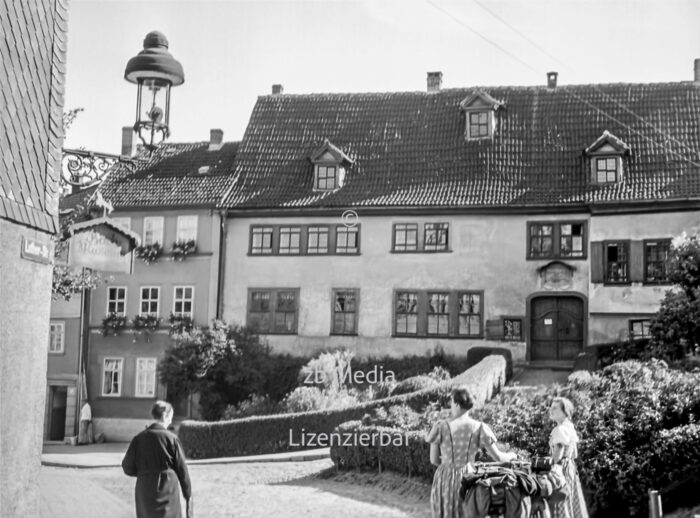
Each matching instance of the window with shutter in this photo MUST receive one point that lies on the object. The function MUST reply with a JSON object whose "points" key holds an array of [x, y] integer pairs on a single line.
{"points": [[636, 261], [597, 262]]}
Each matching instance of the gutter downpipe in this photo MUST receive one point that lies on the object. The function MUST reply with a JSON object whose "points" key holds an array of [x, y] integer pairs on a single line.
{"points": [[222, 259]]}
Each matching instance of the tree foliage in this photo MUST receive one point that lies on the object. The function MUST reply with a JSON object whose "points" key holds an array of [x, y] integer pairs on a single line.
{"points": [[676, 326]]}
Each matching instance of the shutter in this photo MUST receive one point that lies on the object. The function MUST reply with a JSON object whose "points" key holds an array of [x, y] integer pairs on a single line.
{"points": [[597, 262], [636, 259], [494, 329]]}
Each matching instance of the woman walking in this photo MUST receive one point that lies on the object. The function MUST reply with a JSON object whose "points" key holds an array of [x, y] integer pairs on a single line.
{"points": [[155, 457], [563, 443], [453, 446]]}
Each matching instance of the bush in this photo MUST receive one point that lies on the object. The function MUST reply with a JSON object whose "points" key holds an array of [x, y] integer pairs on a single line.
{"points": [[254, 405], [414, 384], [307, 399], [476, 354], [270, 434]]}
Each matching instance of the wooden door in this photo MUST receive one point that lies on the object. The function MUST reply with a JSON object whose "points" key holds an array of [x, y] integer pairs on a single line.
{"points": [[57, 427], [556, 328]]}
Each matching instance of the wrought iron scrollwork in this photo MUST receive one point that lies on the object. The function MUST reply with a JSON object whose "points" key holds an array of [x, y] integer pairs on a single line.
{"points": [[83, 169]]}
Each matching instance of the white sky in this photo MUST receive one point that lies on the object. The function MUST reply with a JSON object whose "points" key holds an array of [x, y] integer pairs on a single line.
{"points": [[234, 50]]}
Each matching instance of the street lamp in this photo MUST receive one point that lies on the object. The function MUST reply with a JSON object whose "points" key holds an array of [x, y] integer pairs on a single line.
{"points": [[154, 70]]}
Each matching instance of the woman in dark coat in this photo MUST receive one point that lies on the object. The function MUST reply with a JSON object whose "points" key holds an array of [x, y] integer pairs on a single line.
{"points": [[155, 457]]}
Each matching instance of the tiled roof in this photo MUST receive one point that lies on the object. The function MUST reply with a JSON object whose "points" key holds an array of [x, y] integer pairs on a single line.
{"points": [[175, 175], [79, 199], [409, 149], [32, 79]]}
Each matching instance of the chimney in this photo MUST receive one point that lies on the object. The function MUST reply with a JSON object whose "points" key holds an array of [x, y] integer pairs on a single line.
{"points": [[697, 71], [434, 81], [216, 139], [552, 79], [277, 89], [128, 141]]}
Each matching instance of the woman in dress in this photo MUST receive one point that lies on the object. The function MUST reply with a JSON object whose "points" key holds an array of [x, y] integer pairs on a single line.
{"points": [[156, 458], [453, 446], [563, 443]]}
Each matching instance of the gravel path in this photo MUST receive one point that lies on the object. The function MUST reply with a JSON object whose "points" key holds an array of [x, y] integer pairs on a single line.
{"points": [[289, 489]]}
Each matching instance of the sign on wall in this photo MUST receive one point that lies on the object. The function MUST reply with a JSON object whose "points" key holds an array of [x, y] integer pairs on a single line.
{"points": [[101, 246]]}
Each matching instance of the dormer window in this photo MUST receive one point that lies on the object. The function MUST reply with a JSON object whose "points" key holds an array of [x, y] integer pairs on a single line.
{"points": [[330, 165], [606, 155], [480, 111]]}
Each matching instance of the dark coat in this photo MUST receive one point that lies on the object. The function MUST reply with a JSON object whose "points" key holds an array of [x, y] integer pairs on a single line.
{"points": [[155, 456]]}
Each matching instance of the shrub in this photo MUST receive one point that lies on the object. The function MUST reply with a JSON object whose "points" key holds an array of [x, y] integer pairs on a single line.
{"points": [[413, 384], [307, 399], [476, 354], [269, 434], [254, 405]]}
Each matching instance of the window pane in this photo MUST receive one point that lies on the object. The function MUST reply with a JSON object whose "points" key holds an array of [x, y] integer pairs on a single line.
{"points": [[346, 240], [186, 228], [435, 236], [616, 258], [317, 240]]}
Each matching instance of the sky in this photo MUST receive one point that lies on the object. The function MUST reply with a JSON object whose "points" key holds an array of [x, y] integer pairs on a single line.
{"points": [[233, 51]]}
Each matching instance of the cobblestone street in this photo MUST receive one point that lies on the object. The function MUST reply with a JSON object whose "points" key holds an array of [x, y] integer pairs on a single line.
{"points": [[289, 489]]}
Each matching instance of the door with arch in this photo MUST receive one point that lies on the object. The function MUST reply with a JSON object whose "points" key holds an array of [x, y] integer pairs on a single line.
{"points": [[556, 328]]}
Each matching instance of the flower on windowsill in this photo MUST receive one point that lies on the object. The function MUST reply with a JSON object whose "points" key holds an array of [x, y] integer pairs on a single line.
{"points": [[183, 248], [113, 323], [146, 322], [149, 253], [180, 324]]}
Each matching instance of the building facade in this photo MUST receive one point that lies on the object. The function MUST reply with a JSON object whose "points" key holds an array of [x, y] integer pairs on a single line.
{"points": [[532, 218], [168, 198], [33, 53]]}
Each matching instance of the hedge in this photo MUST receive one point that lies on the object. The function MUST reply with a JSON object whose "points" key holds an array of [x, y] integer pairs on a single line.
{"points": [[272, 433], [476, 354]]}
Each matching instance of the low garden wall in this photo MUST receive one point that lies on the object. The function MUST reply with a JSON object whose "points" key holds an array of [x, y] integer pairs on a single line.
{"points": [[280, 433]]}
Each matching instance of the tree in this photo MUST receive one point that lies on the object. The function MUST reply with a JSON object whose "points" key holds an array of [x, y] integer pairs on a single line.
{"points": [[676, 326]]}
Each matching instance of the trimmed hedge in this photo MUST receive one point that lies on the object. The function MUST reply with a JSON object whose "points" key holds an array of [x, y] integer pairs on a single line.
{"points": [[271, 434], [476, 354]]}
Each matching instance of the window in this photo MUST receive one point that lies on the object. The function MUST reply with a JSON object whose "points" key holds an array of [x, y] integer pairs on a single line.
{"points": [[435, 236], [123, 222], [326, 177], [186, 228], [606, 170], [640, 329], [57, 335], [261, 240], [478, 124], [183, 301], [145, 377], [405, 237], [273, 311], [317, 240], [438, 313], [552, 239], [112, 376], [116, 300], [344, 312], [617, 262], [346, 240], [512, 329], [149, 300], [290, 239], [470, 314], [406, 313], [655, 259], [152, 230]]}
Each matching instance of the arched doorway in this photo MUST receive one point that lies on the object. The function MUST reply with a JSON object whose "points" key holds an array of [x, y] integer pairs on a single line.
{"points": [[557, 327]]}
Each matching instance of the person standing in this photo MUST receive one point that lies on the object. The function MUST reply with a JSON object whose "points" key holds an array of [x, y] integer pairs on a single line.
{"points": [[563, 443], [85, 430], [453, 447], [156, 458]]}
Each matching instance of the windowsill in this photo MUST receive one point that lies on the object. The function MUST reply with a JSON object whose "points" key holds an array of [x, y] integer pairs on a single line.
{"points": [[277, 333], [619, 283], [448, 337], [447, 251], [127, 398], [556, 257], [343, 334], [306, 254]]}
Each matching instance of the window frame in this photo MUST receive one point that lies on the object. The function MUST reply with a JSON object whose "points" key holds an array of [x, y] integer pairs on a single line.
{"points": [[126, 292], [645, 243], [317, 176], [630, 328], [161, 221], [354, 230], [329, 238], [356, 293], [420, 247], [437, 230], [273, 309], [263, 251], [606, 275], [486, 124], [422, 313], [149, 300], [294, 229], [155, 377], [394, 232], [556, 240], [176, 300], [438, 314], [62, 334], [120, 371], [512, 338], [178, 228], [596, 171]]}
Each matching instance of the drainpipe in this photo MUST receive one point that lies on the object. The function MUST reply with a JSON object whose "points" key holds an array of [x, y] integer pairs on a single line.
{"points": [[222, 260]]}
